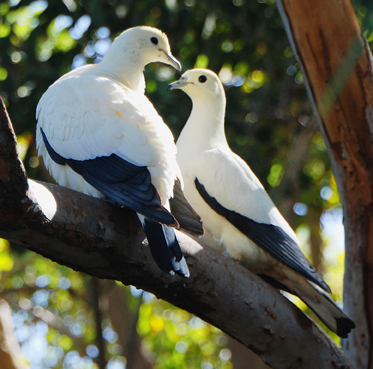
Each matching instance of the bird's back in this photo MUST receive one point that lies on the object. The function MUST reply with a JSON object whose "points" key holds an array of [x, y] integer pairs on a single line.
{"points": [[85, 114]]}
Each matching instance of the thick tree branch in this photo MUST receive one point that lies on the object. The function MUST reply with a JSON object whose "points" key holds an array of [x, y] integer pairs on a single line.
{"points": [[337, 67], [106, 241]]}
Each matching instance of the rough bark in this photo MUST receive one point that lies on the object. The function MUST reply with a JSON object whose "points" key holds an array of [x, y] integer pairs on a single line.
{"points": [[106, 241], [337, 67]]}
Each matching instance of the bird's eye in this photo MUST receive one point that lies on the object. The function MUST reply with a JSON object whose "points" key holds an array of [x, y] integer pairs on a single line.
{"points": [[154, 40], [202, 79]]}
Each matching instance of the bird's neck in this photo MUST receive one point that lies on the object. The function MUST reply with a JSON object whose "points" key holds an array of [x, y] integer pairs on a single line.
{"points": [[129, 70], [205, 126]]}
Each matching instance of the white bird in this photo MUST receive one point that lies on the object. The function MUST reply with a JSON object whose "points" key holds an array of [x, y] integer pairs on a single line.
{"points": [[99, 134], [239, 217]]}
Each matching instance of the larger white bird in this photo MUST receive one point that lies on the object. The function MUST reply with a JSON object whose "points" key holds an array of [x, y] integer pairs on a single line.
{"points": [[99, 134], [238, 215]]}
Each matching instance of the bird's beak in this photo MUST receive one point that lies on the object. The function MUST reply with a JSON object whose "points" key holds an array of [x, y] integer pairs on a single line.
{"points": [[182, 82], [173, 61]]}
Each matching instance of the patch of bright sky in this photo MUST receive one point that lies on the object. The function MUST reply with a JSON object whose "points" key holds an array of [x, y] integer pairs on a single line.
{"points": [[26, 16], [62, 22], [226, 76], [89, 50], [300, 209], [333, 230], [38, 353], [80, 27], [36, 7], [103, 32], [164, 73], [36, 346], [102, 46], [117, 363], [171, 4], [70, 5], [136, 291], [79, 61], [99, 47]]}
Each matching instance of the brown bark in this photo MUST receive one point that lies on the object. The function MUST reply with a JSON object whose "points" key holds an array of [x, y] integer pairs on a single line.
{"points": [[104, 240], [337, 67]]}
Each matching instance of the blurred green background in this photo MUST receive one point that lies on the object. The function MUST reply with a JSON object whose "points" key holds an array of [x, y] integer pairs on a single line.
{"points": [[65, 319]]}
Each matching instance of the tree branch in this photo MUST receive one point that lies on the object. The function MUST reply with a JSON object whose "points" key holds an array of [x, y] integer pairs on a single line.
{"points": [[103, 240], [336, 64]]}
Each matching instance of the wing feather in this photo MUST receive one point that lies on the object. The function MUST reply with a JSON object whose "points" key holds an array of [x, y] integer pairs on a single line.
{"points": [[269, 237], [122, 182]]}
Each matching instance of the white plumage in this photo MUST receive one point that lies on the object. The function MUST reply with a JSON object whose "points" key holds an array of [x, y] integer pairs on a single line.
{"points": [[238, 215], [99, 134], [97, 116]]}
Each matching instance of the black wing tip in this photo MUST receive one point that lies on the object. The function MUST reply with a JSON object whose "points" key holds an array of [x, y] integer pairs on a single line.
{"points": [[183, 211], [195, 231], [160, 215], [325, 286], [344, 326], [171, 220]]}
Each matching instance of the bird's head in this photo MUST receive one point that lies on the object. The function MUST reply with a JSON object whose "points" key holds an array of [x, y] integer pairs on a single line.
{"points": [[199, 83], [147, 45]]}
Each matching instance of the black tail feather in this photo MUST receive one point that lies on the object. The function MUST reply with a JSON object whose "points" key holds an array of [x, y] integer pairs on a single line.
{"points": [[344, 326], [165, 248]]}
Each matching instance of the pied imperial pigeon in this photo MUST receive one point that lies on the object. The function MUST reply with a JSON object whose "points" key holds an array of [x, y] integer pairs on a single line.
{"points": [[239, 217], [99, 134]]}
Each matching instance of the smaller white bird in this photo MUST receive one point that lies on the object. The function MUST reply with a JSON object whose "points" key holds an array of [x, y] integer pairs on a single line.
{"points": [[99, 134], [238, 215]]}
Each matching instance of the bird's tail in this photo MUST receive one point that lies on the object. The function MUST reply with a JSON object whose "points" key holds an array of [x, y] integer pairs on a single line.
{"points": [[164, 247], [328, 311]]}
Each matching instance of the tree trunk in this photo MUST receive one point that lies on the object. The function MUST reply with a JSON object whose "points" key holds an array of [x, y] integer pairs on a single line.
{"points": [[106, 241], [336, 64]]}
